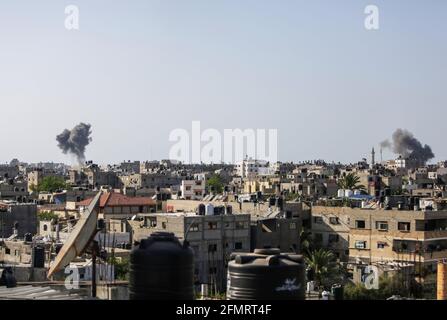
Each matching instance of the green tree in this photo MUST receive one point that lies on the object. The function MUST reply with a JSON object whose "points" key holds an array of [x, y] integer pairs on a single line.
{"points": [[388, 287], [350, 182], [51, 184], [324, 266], [122, 267], [46, 216], [215, 183]]}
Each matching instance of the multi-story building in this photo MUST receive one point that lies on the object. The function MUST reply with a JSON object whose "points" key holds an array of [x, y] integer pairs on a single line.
{"points": [[281, 233], [249, 168], [212, 237], [193, 189], [377, 235], [18, 219], [150, 181], [8, 171], [14, 190]]}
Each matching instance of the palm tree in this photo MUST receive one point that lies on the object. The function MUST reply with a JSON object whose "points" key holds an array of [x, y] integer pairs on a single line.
{"points": [[350, 182], [323, 264], [306, 244]]}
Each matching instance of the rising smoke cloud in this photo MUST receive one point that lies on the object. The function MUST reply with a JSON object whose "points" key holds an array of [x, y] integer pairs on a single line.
{"points": [[75, 140], [404, 143]]}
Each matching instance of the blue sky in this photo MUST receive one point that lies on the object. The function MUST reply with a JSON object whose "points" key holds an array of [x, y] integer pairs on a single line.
{"points": [[138, 69]]}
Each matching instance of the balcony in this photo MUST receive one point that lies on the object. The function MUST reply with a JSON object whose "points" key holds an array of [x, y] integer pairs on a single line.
{"points": [[435, 234]]}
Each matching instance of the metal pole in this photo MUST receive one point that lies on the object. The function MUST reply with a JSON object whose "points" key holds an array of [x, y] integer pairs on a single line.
{"points": [[94, 274]]}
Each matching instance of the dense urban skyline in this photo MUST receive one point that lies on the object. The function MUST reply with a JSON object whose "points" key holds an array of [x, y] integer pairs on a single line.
{"points": [[137, 71]]}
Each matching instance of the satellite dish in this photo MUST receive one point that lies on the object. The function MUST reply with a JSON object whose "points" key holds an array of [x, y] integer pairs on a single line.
{"points": [[80, 237]]}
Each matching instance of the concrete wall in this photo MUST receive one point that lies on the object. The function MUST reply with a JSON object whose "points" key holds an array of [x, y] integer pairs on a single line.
{"points": [[24, 214]]}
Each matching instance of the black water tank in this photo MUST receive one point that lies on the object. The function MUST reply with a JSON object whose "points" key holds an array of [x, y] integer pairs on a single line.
{"points": [[337, 291], [161, 268], [7, 278], [201, 209], [279, 202], [266, 274], [39, 257], [28, 237]]}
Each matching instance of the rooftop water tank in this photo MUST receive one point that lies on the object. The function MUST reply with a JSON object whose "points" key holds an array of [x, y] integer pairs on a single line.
{"points": [[348, 193], [161, 268], [266, 274], [340, 193], [209, 209]]}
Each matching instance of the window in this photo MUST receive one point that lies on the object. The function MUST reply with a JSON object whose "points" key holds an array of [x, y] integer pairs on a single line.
{"points": [[194, 227], [45, 227], [318, 237], [212, 225], [163, 225], [188, 188], [360, 244], [7, 251], [333, 238], [382, 225], [212, 247], [334, 220], [292, 226], [360, 224], [153, 223], [241, 225], [381, 245], [238, 246], [404, 226], [318, 220]]}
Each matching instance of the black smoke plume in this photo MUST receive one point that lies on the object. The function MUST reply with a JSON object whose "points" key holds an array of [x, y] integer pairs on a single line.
{"points": [[405, 144], [75, 140]]}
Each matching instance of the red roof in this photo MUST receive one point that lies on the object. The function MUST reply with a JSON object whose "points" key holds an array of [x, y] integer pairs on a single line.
{"points": [[113, 199]]}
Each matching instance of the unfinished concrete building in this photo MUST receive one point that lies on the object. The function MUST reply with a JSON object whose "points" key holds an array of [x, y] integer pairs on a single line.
{"points": [[17, 219], [212, 237]]}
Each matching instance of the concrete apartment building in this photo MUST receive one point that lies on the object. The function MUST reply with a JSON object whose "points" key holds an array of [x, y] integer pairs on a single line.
{"points": [[193, 189], [212, 237], [14, 190], [12, 214], [255, 209], [418, 237], [149, 180], [279, 233], [250, 168]]}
